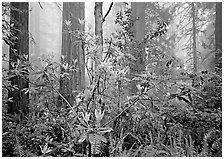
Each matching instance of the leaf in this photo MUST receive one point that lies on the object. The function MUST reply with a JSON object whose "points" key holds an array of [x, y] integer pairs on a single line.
{"points": [[79, 127], [25, 90], [15, 87], [104, 130], [10, 99], [82, 21], [86, 116], [68, 23], [98, 115], [139, 87], [82, 138], [184, 99], [82, 122]]}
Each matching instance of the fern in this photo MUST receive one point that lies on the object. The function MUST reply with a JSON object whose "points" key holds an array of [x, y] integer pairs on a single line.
{"points": [[19, 148], [20, 151], [96, 142], [211, 139]]}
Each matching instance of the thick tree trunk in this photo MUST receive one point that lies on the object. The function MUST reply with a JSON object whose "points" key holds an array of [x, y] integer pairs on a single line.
{"points": [[138, 50], [72, 51], [218, 35], [19, 54], [98, 13]]}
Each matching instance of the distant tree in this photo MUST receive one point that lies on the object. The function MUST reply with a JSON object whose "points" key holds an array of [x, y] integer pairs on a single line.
{"points": [[194, 39], [138, 50], [35, 30], [218, 34], [160, 46], [194, 30], [18, 57], [73, 60]]}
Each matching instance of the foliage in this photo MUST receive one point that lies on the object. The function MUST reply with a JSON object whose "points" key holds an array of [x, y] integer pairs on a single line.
{"points": [[167, 116]]}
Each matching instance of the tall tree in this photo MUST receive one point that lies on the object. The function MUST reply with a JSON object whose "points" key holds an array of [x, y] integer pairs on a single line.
{"points": [[98, 13], [138, 50], [73, 58], [35, 31], [218, 34], [194, 39], [18, 57], [195, 63]]}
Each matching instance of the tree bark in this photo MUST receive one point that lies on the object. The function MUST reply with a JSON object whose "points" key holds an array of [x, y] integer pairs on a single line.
{"points": [[218, 35], [72, 51], [98, 13], [19, 54], [195, 63], [138, 50], [194, 40]]}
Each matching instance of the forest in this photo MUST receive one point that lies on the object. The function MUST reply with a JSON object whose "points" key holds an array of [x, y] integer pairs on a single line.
{"points": [[111, 79]]}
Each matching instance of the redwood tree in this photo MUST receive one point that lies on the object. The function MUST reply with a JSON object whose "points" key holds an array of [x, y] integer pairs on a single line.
{"points": [[138, 50], [194, 39], [18, 57], [72, 51], [218, 34], [98, 13]]}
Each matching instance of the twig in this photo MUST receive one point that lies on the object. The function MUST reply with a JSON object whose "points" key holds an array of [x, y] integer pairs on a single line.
{"points": [[108, 11], [40, 5]]}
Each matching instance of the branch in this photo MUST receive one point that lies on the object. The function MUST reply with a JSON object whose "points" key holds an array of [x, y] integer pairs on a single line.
{"points": [[40, 5], [108, 11]]}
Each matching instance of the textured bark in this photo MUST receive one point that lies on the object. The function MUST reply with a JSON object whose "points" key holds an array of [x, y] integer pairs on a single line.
{"points": [[19, 51], [218, 34], [138, 50], [98, 13], [194, 40], [72, 50]]}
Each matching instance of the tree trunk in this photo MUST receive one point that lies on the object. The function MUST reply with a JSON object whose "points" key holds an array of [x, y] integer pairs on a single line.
{"points": [[72, 51], [138, 50], [194, 43], [19, 54], [35, 31], [98, 13], [194, 40], [218, 35]]}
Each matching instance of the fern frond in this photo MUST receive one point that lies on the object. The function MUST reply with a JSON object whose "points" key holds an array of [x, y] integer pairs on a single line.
{"points": [[213, 134], [95, 141], [19, 148]]}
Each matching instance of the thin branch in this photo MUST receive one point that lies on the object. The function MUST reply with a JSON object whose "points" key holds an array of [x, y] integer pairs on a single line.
{"points": [[40, 5], [108, 11]]}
